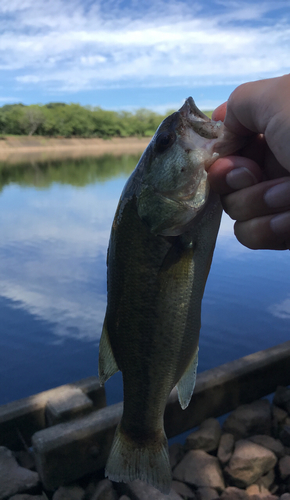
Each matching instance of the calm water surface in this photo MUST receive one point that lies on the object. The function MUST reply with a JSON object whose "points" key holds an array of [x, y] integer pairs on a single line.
{"points": [[55, 222]]}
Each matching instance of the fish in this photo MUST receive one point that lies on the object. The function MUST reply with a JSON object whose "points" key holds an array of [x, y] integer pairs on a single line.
{"points": [[159, 256]]}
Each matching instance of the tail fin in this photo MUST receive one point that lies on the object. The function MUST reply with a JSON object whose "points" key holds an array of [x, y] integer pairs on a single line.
{"points": [[128, 461]]}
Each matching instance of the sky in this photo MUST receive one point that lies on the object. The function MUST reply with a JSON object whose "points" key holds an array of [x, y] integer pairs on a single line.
{"points": [[128, 54]]}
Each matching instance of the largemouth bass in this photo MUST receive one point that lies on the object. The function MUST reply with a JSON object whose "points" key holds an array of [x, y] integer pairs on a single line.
{"points": [[159, 256]]}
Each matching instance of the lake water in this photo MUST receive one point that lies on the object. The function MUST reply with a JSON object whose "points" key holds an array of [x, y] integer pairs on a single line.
{"points": [[55, 221]]}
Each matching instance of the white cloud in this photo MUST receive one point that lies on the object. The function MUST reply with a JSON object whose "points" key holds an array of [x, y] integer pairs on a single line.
{"points": [[70, 46], [282, 309]]}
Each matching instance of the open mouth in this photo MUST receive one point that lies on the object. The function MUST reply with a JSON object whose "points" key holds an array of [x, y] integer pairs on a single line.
{"points": [[191, 111]]}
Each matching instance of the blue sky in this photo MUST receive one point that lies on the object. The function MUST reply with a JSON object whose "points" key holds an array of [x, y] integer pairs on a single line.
{"points": [[126, 54]]}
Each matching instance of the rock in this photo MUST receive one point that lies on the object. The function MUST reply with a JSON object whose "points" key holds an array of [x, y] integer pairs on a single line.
{"points": [[233, 493], [105, 491], [72, 492], [285, 496], [206, 437], [267, 480], [124, 497], [201, 470], [279, 415], [250, 419], [285, 435], [138, 490], [284, 467], [248, 463], [25, 496], [90, 488], [183, 490], [282, 398], [270, 443], [225, 448], [176, 452], [256, 492], [25, 459], [206, 494], [13, 478]]}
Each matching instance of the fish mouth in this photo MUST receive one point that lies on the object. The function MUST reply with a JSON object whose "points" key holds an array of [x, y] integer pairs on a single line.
{"points": [[198, 134], [198, 121], [190, 111], [219, 140]]}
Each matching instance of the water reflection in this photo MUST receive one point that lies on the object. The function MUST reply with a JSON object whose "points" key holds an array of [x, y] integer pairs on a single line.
{"points": [[55, 219], [75, 172], [54, 240]]}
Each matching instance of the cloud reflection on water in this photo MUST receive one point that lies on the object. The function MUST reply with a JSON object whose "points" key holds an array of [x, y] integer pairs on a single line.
{"points": [[53, 251], [282, 309], [53, 255]]}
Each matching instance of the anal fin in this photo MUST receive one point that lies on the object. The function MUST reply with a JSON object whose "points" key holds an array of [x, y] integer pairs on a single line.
{"points": [[107, 362], [186, 384]]}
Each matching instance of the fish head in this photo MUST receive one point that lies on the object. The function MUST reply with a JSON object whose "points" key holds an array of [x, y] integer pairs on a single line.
{"points": [[171, 178]]}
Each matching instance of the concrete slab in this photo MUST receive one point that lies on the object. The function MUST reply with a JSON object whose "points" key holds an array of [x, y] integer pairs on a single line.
{"points": [[68, 451], [26, 416], [69, 403]]}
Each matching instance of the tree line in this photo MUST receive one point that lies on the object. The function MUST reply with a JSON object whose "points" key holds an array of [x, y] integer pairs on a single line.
{"points": [[72, 120]]}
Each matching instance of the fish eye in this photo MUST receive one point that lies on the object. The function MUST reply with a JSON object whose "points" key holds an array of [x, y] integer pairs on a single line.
{"points": [[164, 140]]}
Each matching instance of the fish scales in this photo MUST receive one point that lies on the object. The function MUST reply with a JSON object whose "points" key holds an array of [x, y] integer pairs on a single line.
{"points": [[159, 256]]}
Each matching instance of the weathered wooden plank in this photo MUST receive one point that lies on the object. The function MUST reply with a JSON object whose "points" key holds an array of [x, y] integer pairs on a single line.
{"points": [[68, 451], [27, 416], [65, 452]]}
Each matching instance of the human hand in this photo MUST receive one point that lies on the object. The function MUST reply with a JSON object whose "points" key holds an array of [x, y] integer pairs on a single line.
{"points": [[255, 186]]}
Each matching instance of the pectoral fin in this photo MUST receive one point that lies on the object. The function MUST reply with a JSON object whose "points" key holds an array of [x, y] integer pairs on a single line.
{"points": [[186, 384], [107, 362]]}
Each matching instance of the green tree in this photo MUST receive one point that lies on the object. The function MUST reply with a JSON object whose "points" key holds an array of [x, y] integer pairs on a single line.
{"points": [[106, 123], [2, 122], [14, 115], [33, 117], [72, 120]]}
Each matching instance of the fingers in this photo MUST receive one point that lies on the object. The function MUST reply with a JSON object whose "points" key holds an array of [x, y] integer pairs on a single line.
{"points": [[265, 198], [261, 209], [263, 107], [262, 212], [252, 105], [257, 198], [220, 112], [269, 232], [233, 172]]}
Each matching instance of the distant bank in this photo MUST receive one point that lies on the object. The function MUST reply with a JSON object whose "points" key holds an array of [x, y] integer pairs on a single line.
{"points": [[13, 149]]}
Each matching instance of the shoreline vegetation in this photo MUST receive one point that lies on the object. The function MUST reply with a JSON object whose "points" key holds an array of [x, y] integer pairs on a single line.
{"points": [[58, 130], [72, 120]]}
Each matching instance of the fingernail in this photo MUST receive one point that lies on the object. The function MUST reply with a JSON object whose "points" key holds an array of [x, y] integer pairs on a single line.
{"points": [[240, 178], [278, 196], [280, 224]]}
